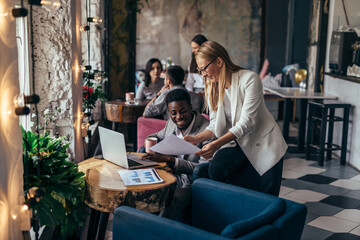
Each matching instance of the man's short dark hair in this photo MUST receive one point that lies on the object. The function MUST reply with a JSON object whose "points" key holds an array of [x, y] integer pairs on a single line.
{"points": [[176, 74], [178, 95]]}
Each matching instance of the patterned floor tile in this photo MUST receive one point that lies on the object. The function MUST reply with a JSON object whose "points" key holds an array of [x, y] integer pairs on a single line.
{"points": [[329, 189], [308, 169], [352, 194], [340, 173], [307, 195], [314, 233], [349, 214], [295, 162], [322, 209], [285, 190], [333, 224], [343, 236], [297, 184], [288, 174], [310, 217], [356, 178], [341, 201], [347, 183], [356, 231], [293, 199], [319, 179]]}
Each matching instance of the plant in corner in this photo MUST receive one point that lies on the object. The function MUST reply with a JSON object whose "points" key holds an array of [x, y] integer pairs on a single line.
{"points": [[62, 204]]}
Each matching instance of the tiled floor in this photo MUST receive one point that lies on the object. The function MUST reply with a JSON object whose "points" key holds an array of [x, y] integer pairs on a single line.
{"points": [[331, 194]]}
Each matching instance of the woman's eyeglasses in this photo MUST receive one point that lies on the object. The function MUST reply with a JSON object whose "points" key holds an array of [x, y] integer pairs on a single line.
{"points": [[202, 70]]}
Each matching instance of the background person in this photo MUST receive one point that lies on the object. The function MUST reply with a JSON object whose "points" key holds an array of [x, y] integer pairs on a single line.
{"points": [[194, 81], [245, 129], [183, 121], [173, 80], [152, 82]]}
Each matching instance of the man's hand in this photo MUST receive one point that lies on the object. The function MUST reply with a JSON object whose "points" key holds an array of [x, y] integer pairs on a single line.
{"points": [[159, 157]]}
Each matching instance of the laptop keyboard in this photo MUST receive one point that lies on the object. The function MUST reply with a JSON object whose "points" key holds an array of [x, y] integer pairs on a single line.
{"points": [[133, 163]]}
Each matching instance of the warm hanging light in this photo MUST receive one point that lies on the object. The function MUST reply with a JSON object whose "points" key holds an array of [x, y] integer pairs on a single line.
{"points": [[85, 125], [84, 28], [95, 19], [97, 77], [83, 68], [5, 13], [20, 108]]}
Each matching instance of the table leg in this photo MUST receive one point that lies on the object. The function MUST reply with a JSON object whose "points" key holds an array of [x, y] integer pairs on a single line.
{"points": [[93, 224], [302, 124], [104, 219], [133, 134], [287, 116]]}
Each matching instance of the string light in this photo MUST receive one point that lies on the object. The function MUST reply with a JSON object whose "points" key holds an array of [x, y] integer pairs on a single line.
{"points": [[84, 28], [97, 20], [83, 68]]}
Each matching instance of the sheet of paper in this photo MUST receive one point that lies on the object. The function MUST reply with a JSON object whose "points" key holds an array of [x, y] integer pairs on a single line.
{"points": [[140, 176], [174, 145]]}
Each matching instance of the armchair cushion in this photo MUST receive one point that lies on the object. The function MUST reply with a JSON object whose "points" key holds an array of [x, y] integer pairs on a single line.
{"points": [[231, 207], [267, 216], [147, 126]]}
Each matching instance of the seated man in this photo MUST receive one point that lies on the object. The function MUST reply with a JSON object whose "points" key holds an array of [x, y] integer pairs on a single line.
{"points": [[183, 122], [174, 78]]}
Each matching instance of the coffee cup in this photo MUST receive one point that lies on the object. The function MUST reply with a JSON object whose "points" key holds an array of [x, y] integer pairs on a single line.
{"points": [[149, 142], [129, 97]]}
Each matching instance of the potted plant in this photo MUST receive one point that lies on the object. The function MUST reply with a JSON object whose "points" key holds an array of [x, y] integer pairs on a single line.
{"points": [[62, 203]]}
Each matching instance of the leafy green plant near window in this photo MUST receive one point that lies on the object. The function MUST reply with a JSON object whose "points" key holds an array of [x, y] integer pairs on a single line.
{"points": [[62, 204]]}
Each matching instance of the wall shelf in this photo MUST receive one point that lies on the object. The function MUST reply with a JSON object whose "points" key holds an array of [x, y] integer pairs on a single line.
{"points": [[348, 78]]}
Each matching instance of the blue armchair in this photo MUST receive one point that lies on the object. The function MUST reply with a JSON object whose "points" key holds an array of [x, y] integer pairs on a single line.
{"points": [[220, 211]]}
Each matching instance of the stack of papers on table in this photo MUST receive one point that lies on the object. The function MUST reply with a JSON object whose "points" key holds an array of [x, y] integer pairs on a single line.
{"points": [[140, 177]]}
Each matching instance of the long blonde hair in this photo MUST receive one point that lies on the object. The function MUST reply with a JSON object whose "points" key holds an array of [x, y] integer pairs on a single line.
{"points": [[208, 51]]}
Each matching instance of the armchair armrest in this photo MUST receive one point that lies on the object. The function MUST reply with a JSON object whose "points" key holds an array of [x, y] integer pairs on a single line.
{"points": [[234, 210], [133, 224]]}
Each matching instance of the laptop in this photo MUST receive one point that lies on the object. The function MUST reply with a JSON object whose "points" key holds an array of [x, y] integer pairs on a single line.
{"points": [[114, 150]]}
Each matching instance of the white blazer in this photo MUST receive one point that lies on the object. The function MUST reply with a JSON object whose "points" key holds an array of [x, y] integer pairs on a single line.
{"points": [[255, 129]]}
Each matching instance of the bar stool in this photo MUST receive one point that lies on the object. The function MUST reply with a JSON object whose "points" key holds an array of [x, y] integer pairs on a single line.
{"points": [[327, 108]]}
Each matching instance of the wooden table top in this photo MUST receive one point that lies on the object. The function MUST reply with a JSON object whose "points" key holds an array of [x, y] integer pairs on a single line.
{"points": [[105, 189], [120, 111]]}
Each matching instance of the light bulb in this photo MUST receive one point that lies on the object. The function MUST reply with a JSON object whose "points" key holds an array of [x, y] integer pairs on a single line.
{"points": [[83, 68], [84, 28], [51, 5], [97, 77], [5, 13], [95, 19], [19, 100], [24, 207]]}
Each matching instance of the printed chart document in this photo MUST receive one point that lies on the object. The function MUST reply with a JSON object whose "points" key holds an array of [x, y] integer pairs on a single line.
{"points": [[140, 177], [174, 145]]}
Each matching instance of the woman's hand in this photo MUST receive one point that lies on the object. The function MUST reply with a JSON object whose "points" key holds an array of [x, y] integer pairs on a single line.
{"points": [[208, 150], [159, 157], [191, 139]]}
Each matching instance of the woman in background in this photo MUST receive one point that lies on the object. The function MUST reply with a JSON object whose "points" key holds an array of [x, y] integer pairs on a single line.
{"points": [[152, 82], [194, 81]]}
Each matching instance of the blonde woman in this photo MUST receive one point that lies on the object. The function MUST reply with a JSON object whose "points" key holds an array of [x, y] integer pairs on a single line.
{"points": [[245, 130]]}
